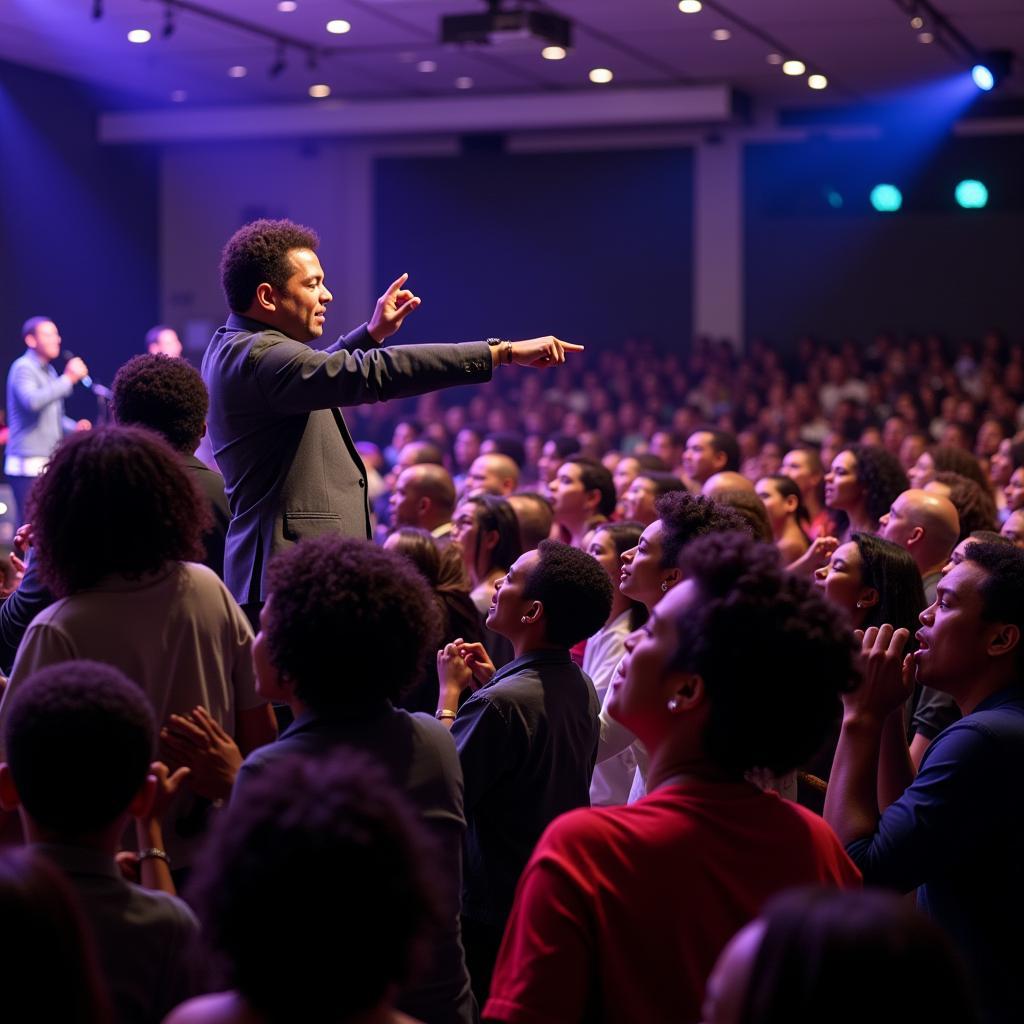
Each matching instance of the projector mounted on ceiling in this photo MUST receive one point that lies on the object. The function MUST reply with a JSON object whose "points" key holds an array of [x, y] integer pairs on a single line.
{"points": [[500, 25]]}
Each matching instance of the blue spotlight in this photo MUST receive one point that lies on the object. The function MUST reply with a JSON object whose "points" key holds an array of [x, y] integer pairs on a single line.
{"points": [[886, 198], [971, 194], [983, 78]]}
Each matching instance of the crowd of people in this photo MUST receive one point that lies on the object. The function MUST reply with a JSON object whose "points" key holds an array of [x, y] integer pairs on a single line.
{"points": [[642, 696]]}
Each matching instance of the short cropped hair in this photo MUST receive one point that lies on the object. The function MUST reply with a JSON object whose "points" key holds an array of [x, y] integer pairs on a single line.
{"points": [[114, 500], [153, 334], [575, 590], [336, 594], [596, 477], [345, 852], [723, 441], [684, 517], [773, 697], [79, 739], [163, 394], [31, 325], [1002, 590], [258, 253]]}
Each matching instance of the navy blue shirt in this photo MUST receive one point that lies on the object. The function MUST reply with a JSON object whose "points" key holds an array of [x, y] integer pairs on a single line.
{"points": [[956, 835], [527, 741]]}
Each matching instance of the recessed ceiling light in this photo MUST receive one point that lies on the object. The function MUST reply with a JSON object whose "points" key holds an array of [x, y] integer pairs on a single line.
{"points": [[139, 35], [464, 82], [600, 76], [774, 58], [817, 81], [917, 21], [925, 37], [553, 53], [179, 96], [287, 6], [720, 35], [794, 67], [427, 66], [237, 71], [339, 26], [318, 92], [690, 6]]}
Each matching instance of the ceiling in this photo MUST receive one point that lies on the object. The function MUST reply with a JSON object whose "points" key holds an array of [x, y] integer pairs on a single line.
{"points": [[866, 48]]}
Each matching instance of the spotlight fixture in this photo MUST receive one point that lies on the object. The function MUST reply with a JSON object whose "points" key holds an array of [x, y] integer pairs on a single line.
{"points": [[690, 6], [917, 22], [971, 194], [817, 81], [339, 26], [464, 82], [237, 71], [139, 35], [991, 69], [926, 38], [720, 35], [600, 76], [287, 6], [427, 67], [774, 58], [794, 67], [319, 92], [553, 53], [886, 198]]}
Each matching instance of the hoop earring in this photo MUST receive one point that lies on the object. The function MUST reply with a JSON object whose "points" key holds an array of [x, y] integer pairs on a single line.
{"points": [[664, 586]]}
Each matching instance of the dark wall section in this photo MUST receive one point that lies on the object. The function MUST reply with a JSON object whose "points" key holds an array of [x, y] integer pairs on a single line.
{"points": [[820, 260], [78, 226], [594, 247]]}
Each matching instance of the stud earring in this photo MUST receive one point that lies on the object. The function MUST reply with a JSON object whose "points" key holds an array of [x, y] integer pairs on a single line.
{"points": [[673, 704]]}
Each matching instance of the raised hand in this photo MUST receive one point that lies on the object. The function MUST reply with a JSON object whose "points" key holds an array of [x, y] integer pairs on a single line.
{"points": [[888, 676], [391, 310], [478, 662]]}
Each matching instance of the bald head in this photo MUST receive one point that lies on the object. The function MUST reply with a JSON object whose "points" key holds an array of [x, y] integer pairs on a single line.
{"points": [[492, 473], [728, 480], [423, 496], [926, 524]]}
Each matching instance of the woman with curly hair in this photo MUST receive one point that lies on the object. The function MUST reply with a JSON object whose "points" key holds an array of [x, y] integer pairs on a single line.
{"points": [[946, 459], [861, 484], [974, 503], [116, 522], [740, 666]]}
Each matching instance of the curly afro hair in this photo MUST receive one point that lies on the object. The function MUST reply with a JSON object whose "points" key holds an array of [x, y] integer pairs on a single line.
{"points": [[974, 504], [79, 739], [347, 855], [880, 475], [684, 517], [347, 622], [114, 500], [163, 394], [258, 253], [774, 656], [575, 590]]}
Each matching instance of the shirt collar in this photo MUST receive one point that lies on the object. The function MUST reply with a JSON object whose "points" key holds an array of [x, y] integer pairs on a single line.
{"points": [[1011, 695], [544, 656], [238, 322]]}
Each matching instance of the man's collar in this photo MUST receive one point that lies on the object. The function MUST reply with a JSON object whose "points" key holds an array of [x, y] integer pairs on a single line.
{"points": [[240, 322], [542, 656]]}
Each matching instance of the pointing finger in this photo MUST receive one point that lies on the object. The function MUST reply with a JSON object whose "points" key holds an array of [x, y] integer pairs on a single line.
{"points": [[396, 284]]}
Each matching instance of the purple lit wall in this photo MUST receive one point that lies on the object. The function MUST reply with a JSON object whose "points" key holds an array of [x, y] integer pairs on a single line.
{"points": [[78, 225]]}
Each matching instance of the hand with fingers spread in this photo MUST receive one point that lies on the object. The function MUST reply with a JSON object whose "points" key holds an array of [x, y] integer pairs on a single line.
{"points": [[538, 352], [888, 675], [168, 784], [477, 660], [198, 742], [391, 310]]}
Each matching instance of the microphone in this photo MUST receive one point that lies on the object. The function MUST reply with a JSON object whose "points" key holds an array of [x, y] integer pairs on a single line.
{"points": [[86, 381]]}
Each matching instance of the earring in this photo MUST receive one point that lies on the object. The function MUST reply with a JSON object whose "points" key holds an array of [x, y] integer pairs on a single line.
{"points": [[860, 604], [523, 619], [664, 587], [673, 704]]}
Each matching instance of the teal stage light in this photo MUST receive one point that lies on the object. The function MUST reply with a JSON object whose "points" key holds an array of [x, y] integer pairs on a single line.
{"points": [[886, 198], [971, 194]]}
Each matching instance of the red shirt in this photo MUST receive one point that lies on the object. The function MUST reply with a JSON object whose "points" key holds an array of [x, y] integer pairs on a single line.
{"points": [[622, 911]]}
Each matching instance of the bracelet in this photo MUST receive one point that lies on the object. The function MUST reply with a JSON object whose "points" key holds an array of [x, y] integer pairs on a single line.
{"points": [[508, 350], [444, 715], [153, 853]]}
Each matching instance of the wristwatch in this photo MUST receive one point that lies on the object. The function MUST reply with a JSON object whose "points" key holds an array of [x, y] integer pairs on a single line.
{"points": [[506, 356]]}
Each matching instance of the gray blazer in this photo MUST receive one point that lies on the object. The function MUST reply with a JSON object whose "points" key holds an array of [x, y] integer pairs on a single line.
{"points": [[291, 469]]}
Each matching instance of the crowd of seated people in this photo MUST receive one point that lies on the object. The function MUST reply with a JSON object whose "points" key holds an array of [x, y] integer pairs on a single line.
{"points": [[687, 659]]}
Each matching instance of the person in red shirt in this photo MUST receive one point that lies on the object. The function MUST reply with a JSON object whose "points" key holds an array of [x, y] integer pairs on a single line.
{"points": [[622, 911]]}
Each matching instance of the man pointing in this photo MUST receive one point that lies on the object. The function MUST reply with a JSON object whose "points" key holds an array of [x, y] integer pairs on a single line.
{"points": [[290, 466]]}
